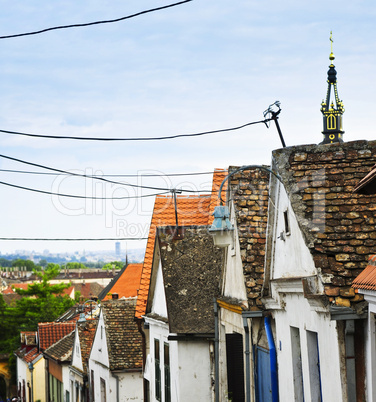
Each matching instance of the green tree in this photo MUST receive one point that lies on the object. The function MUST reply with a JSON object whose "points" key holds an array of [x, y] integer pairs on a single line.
{"points": [[113, 264], [30, 266], [41, 301]]}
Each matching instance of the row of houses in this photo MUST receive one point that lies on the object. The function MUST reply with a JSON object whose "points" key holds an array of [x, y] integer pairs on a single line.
{"points": [[262, 290]]}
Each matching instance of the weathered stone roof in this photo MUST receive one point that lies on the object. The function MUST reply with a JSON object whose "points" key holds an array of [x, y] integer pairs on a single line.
{"points": [[86, 334], [338, 225], [191, 269], [61, 351], [123, 338], [249, 192]]}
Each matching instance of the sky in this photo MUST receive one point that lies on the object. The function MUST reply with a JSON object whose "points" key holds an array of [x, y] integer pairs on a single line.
{"points": [[200, 66]]}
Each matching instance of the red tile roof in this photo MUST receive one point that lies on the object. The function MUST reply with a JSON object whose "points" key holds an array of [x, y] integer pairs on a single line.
{"points": [[192, 211], [128, 284], [51, 332], [10, 289], [367, 278]]}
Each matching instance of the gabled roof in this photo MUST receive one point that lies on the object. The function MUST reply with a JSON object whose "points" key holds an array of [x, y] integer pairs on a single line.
{"points": [[86, 333], [124, 341], [191, 210], [249, 192], [10, 289], [367, 278], [125, 284], [191, 268], [50, 332], [61, 351], [88, 290], [338, 226]]}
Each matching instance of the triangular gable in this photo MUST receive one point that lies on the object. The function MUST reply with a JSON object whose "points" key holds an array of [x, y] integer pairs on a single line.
{"points": [[99, 350], [157, 290], [76, 352], [290, 256]]}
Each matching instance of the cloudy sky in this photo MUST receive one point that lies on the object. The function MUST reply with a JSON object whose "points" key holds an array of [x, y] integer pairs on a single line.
{"points": [[204, 65]]}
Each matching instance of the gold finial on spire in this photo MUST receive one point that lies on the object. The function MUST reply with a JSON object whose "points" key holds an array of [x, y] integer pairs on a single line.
{"points": [[331, 56]]}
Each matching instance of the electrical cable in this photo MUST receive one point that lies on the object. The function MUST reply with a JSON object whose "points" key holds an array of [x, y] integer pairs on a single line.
{"points": [[114, 175], [87, 176], [73, 239], [79, 196], [94, 177], [95, 22], [61, 137]]}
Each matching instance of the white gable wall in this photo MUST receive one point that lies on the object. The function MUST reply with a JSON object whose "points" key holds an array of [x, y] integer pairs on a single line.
{"points": [[298, 314], [159, 300], [290, 257], [99, 363], [233, 278], [76, 353]]}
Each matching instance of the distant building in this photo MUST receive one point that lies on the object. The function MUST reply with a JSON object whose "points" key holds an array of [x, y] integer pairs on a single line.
{"points": [[117, 250]]}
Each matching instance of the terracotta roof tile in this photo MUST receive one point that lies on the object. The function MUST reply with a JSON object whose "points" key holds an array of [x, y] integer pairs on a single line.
{"points": [[50, 332], [86, 333], [192, 211], [31, 355], [88, 289], [123, 338], [126, 284], [62, 349], [367, 278]]}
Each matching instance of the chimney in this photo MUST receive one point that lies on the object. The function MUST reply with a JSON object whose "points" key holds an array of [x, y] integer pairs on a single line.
{"points": [[115, 296]]}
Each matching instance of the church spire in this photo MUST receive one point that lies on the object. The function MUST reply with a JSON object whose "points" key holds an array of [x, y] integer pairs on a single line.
{"points": [[332, 110]]}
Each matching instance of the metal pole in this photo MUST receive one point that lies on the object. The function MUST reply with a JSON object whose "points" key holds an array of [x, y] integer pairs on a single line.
{"points": [[275, 118]]}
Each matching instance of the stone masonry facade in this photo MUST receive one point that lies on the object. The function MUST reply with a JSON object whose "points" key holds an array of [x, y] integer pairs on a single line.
{"points": [[337, 224]]}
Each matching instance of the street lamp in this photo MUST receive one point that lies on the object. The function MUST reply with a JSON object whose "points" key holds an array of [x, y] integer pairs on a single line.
{"points": [[31, 368]]}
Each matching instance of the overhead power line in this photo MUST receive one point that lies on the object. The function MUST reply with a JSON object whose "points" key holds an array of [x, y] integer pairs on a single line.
{"points": [[164, 189], [62, 137], [71, 239], [86, 176], [114, 175], [80, 196], [95, 22]]}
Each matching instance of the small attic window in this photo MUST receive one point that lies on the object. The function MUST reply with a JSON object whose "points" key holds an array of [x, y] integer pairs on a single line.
{"points": [[287, 222]]}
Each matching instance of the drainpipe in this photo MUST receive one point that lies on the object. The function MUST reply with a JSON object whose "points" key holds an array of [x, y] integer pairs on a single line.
{"points": [[117, 386], [273, 359], [139, 322], [350, 359], [247, 363], [216, 352]]}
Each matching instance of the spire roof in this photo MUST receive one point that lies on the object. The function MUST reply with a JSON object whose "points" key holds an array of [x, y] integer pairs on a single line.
{"points": [[332, 107]]}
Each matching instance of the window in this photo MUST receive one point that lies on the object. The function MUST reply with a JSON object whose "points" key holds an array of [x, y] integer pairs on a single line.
{"points": [[314, 366], [167, 378], [157, 370], [287, 222], [103, 390], [235, 367], [297, 370], [92, 385]]}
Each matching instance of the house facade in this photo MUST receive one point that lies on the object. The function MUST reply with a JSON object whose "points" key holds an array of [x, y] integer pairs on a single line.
{"points": [[180, 315], [115, 360]]}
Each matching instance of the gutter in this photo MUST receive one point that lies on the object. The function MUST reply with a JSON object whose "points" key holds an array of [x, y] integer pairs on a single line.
{"points": [[246, 315], [273, 359], [139, 323], [216, 352], [117, 386]]}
